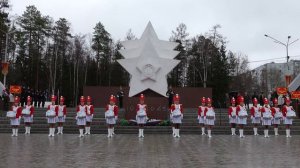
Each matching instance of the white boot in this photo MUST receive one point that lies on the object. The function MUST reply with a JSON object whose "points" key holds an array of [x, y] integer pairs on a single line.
{"points": [[108, 132], [113, 131], [178, 136], [174, 132], [265, 133], [13, 132], [50, 132], [241, 134], [209, 133], [26, 130], [29, 128], [16, 133], [81, 133], [89, 130], [289, 133], [53, 131], [61, 130], [276, 131], [142, 133], [254, 130], [58, 130], [86, 130], [203, 130], [232, 131]]}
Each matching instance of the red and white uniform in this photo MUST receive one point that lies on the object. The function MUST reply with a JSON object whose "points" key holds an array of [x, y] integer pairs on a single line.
{"points": [[90, 113], [277, 115], [255, 115], [286, 111], [177, 113], [266, 115], [81, 109], [62, 112], [210, 116], [18, 111], [241, 112], [111, 114], [232, 115], [52, 120], [29, 118], [201, 110], [141, 113]]}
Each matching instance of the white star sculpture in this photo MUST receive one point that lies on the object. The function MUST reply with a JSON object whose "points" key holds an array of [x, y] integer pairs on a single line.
{"points": [[148, 60]]}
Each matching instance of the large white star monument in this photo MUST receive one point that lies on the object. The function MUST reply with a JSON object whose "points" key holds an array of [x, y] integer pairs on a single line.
{"points": [[148, 60]]}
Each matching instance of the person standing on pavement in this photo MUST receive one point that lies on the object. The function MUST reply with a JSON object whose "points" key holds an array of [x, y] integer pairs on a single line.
{"points": [[27, 114], [141, 115], [62, 112], [89, 115], [232, 116], [277, 116], [177, 115], [255, 115], [209, 116], [111, 115], [201, 119], [242, 115], [266, 117]]}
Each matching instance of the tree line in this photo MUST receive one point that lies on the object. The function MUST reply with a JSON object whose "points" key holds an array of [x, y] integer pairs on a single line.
{"points": [[44, 54]]}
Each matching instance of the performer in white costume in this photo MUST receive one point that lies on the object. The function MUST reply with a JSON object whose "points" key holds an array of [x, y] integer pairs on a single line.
{"points": [[255, 115], [89, 115], [201, 110], [288, 113], [141, 115], [177, 114], [209, 116], [242, 115], [232, 116], [111, 115], [81, 116], [277, 116], [51, 115], [27, 114], [266, 117], [15, 116], [62, 113]]}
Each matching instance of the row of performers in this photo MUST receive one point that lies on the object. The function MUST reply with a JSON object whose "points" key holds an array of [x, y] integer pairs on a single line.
{"points": [[265, 115], [206, 115]]}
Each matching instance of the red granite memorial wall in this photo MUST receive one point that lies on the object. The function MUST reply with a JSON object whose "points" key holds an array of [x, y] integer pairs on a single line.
{"points": [[157, 105]]}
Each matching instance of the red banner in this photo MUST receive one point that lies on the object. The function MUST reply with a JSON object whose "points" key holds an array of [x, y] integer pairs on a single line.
{"points": [[4, 68], [288, 80], [282, 90], [15, 89], [295, 95]]}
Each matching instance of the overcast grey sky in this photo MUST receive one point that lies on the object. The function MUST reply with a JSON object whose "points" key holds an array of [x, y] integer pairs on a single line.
{"points": [[244, 23]]}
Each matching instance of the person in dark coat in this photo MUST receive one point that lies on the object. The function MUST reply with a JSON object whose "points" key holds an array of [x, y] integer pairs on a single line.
{"points": [[170, 94], [120, 96]]}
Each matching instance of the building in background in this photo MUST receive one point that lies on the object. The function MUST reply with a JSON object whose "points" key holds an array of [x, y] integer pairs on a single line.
{"points": [[272, 75]]}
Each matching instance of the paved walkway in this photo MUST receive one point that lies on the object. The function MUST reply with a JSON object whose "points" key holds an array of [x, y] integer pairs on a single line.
{"points": [[152, 151]]}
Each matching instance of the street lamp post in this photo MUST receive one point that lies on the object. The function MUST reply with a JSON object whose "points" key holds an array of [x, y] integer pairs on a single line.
{"points": [[6, 51], [287, 44]]}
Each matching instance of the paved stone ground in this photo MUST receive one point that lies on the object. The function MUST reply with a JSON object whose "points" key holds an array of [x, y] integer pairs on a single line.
{"points": [[38, 150]]}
